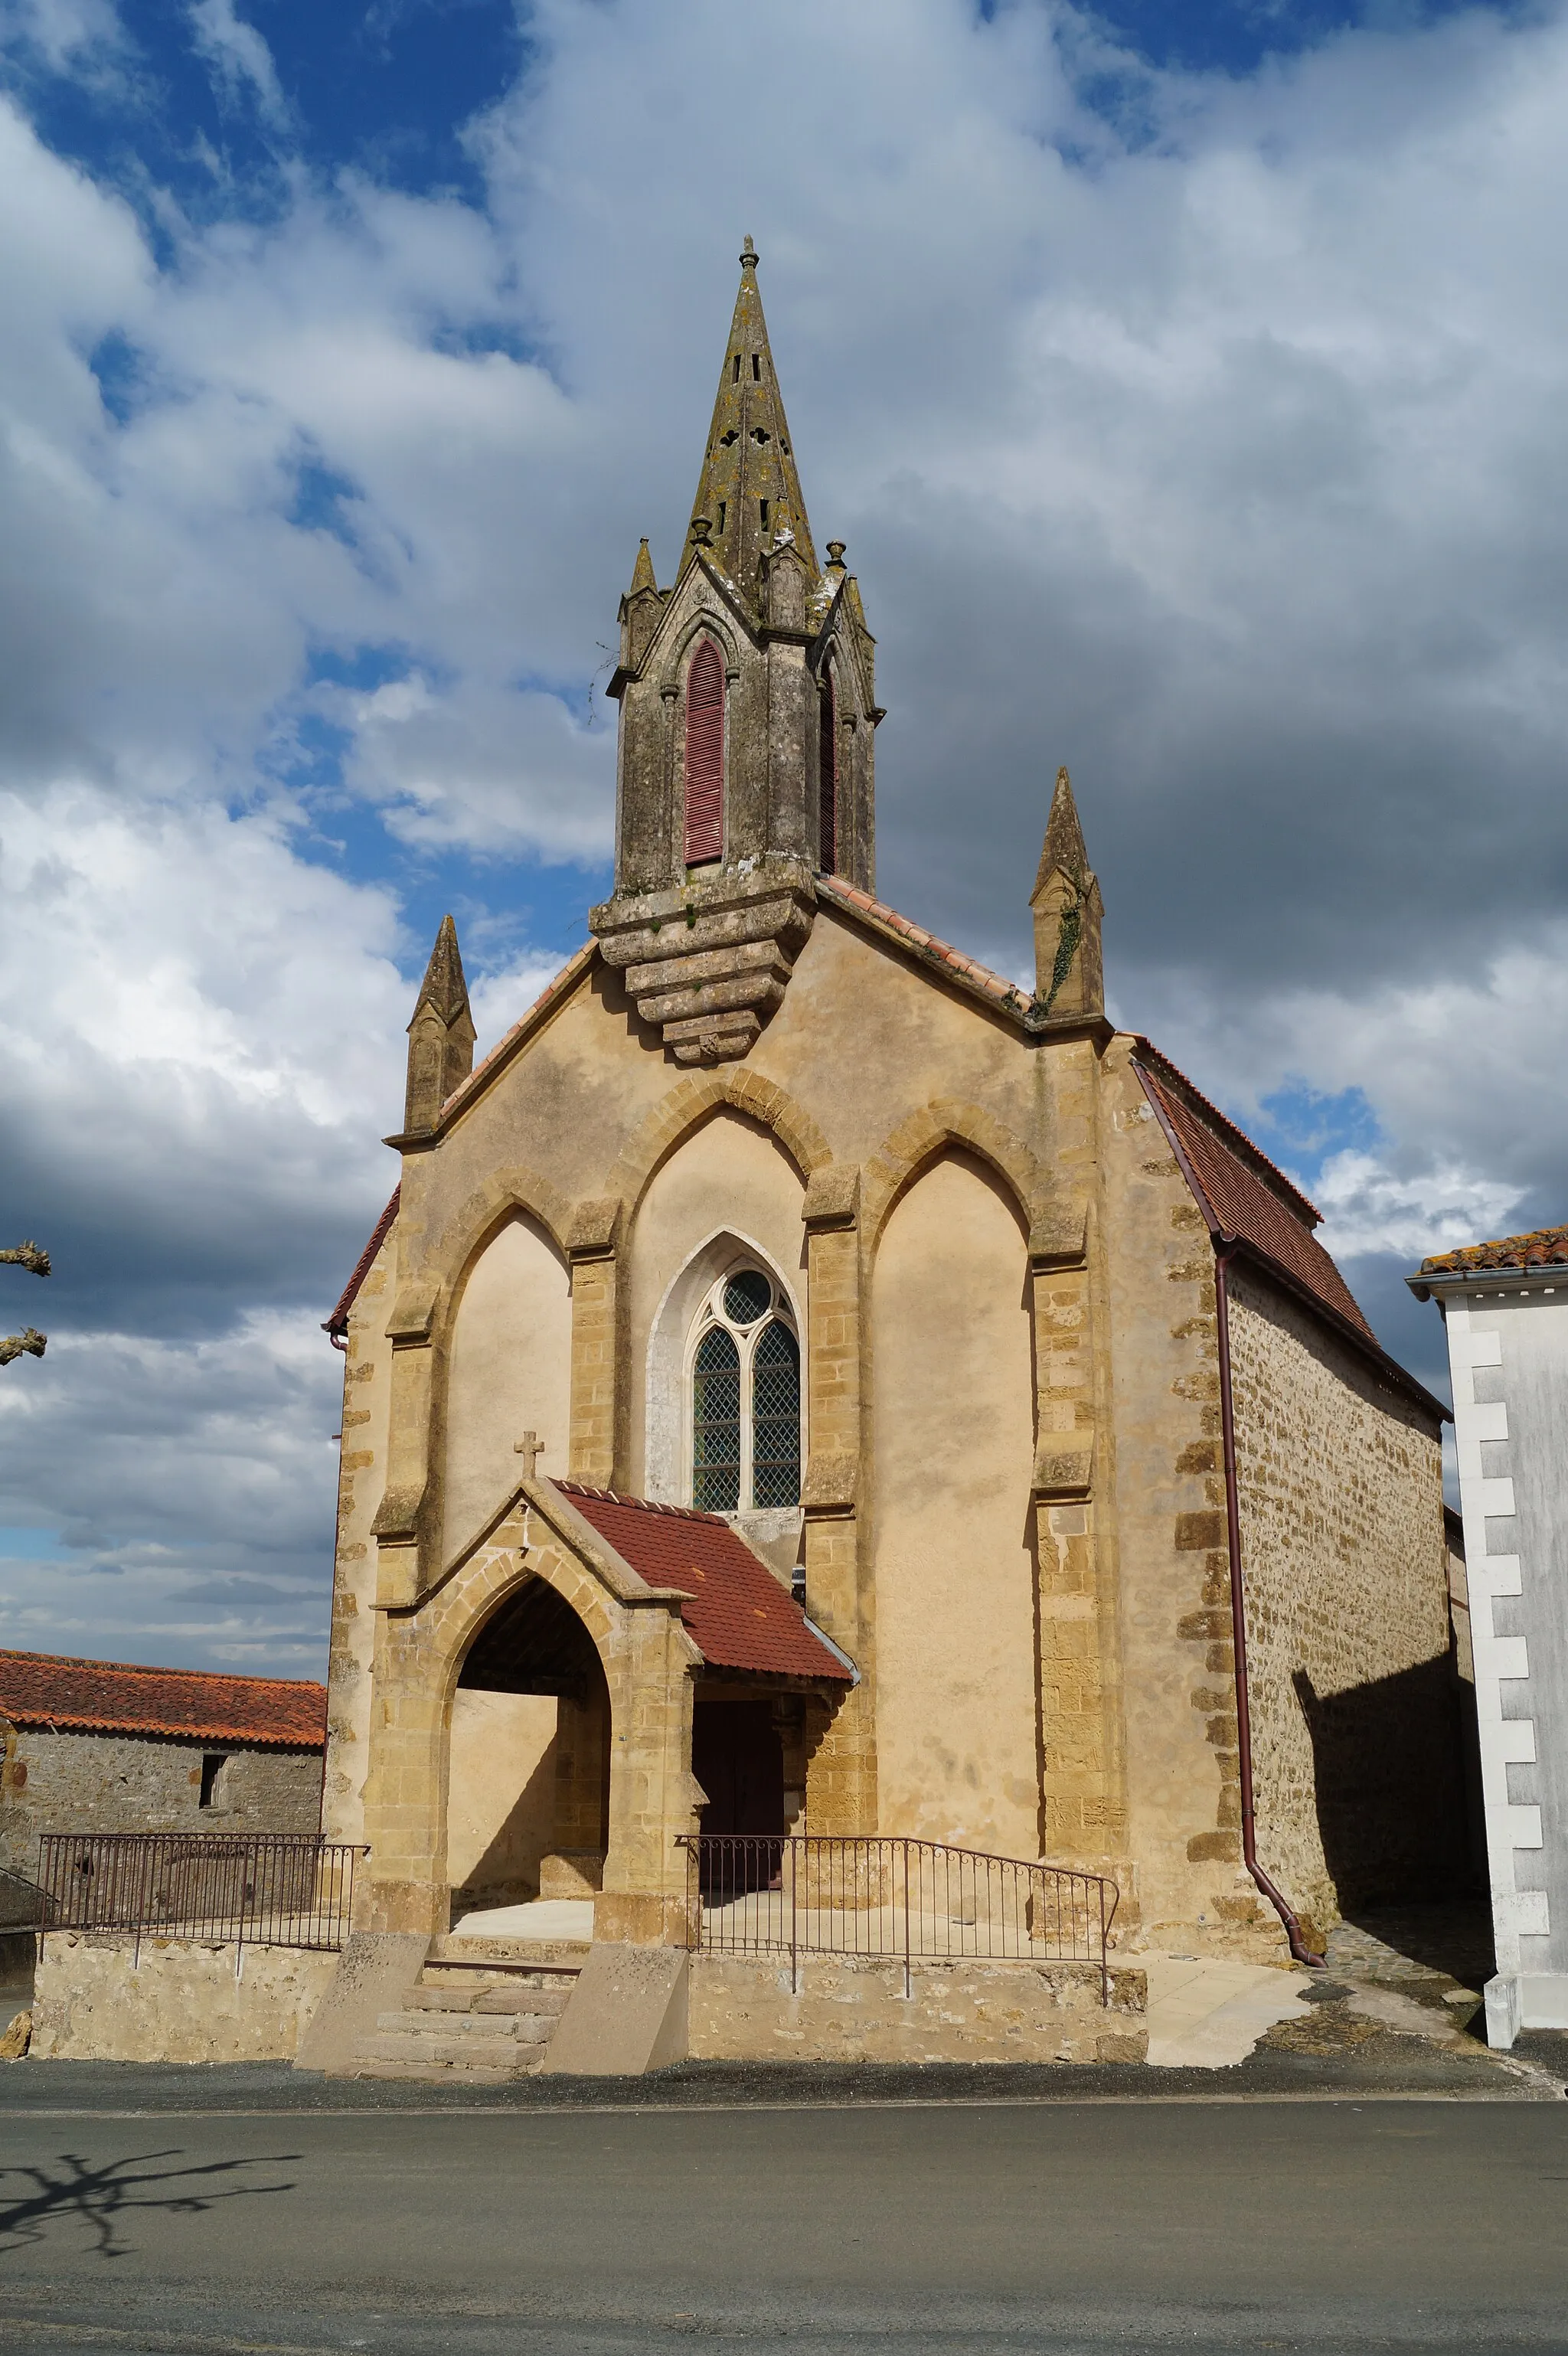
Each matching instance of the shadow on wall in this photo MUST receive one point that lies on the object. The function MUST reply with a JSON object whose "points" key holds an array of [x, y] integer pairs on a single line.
{"points": [[508, 1873], [1389, 1767]]}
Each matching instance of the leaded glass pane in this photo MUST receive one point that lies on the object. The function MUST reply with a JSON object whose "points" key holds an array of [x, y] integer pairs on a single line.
{"points": [[715, 1424], [775, 1411], [747, 1297]]}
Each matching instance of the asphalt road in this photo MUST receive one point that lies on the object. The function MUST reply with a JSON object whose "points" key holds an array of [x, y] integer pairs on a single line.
{"points": [[1050, 2227]]}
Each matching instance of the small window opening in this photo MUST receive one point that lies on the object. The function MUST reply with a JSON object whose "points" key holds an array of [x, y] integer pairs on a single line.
{"points": [[756, 368], [764, 505], [722, 504], [735, 372], [212, 1768]]}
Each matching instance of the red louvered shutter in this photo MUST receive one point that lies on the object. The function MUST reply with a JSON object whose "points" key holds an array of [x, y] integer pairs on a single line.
{"points": [[705, 755]]}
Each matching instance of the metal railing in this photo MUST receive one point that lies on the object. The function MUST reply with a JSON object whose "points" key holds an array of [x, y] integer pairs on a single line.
{"points": [[904, 1901], [21, 1903], [253, 1890]]}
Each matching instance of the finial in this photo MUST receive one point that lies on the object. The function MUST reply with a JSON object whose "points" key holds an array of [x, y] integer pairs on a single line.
{"points": [[747, 255], [700, 528], [835, 554]]}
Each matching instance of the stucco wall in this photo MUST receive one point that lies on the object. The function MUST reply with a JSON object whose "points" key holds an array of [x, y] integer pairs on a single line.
{"points": [[1355, 1759], [957, 1741], [730, 1187], [95, 2000], [362, 1476], [509, 1371], [501, 1799], [142, 1783]]}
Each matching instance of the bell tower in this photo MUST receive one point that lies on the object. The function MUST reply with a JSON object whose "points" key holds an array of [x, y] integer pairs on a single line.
{"points": [[747, 709]]}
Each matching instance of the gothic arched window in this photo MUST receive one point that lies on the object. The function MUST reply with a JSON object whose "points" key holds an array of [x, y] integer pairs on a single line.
{"points": [[705, 755], [826, 778], [745, 1398]]}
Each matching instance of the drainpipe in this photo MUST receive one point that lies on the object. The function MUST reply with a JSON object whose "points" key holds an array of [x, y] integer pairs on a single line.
{"points": [[1300, 1950]]}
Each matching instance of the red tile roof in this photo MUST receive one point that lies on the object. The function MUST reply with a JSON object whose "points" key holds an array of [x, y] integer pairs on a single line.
{"points": [[119, 1697], [1237, 1199], [739, 1615], [980, 978], [1542, 1247], [339, 1321]]}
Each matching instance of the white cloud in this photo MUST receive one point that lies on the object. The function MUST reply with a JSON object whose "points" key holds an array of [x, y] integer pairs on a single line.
{"points": [[1218, 452], [240, 57]]}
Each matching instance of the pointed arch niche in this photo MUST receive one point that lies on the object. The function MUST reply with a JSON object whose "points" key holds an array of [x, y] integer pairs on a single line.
{"points": [[679, 1257], [957, 1749], [509, 1371]]}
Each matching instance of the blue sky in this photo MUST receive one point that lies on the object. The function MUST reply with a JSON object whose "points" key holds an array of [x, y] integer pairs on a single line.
{"points": [[1187, 382]]}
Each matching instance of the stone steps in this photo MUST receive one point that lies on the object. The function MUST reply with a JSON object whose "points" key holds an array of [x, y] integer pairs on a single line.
{"points": [[481, 2023]]}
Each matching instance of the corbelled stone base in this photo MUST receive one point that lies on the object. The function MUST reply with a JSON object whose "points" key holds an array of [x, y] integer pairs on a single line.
{"points": [[708, 962]]}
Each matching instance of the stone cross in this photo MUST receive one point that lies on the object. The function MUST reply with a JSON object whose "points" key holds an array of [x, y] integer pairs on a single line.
{"points": [[530, 1447]]}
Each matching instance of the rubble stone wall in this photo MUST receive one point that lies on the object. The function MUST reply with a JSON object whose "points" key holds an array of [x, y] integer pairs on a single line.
{"points": [[94, 1999], [1356, 1765], [69, 1783], [848, 2009]]}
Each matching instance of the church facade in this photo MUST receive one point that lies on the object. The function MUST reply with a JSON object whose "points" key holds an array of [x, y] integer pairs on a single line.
{"points": [[806, 1381]]}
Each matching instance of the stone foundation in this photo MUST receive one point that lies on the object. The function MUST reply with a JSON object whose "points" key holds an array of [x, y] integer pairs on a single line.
{"points": [[844, 2009], [181, 2000]]}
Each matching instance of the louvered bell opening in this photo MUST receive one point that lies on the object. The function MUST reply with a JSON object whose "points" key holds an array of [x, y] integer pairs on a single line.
{"points": [[705, 756]]}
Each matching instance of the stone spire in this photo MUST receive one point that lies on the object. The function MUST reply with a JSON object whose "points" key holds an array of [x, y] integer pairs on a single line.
{"points": [[749, 492], [747, 709], [441, 1035], [1067, 911], [640, 609]]}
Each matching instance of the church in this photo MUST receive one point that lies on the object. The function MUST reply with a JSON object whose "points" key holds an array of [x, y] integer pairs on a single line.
{"points": [[806, 1383]]}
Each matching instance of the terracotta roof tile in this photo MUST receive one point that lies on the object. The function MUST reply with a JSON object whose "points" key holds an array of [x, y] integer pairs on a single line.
{"points": [[1542, 1247], [120, 1698], [979, 977], [339, 1321], [1237, 1201], [739, 1615]]}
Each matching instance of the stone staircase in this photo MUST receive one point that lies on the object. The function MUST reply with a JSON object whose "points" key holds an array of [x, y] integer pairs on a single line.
{"points": [[475, 2016]]}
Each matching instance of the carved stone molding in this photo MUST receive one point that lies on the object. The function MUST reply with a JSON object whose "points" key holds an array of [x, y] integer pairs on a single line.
{"points": [[705, 963]]}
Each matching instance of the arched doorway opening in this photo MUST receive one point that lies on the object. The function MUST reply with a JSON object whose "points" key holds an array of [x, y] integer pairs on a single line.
{"points": [[529, 1791]]}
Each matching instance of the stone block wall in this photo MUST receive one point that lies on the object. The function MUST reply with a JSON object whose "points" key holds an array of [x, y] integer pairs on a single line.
{"points": [[70, 1782], [362, 1477], [1356, 1766], [853, 2009]]}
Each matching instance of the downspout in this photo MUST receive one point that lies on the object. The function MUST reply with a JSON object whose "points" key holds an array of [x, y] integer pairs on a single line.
{"points": [[1300, 1953]]}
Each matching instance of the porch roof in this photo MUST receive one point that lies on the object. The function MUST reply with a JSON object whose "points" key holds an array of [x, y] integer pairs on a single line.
{"points": [[739, 1616]]}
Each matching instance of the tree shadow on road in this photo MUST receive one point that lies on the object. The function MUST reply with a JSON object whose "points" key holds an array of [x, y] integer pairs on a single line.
{"points": [[34, 2198]]}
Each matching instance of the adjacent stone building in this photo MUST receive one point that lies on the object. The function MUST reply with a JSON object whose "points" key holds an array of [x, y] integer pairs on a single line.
{"points": [[1505, 1311], [109, 1747], [780, 1239]]}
